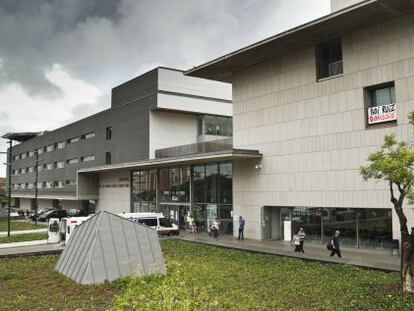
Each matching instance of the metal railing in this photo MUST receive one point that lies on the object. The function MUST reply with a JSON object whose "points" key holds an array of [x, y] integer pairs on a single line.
{"points": [[190, 149], [329, 69]]}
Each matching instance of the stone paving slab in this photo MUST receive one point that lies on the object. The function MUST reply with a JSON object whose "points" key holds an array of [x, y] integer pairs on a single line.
{"points": [[373, 259]]}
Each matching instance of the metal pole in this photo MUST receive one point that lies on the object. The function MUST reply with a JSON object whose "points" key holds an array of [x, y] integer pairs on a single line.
{"points": [[10, 170], [36, 179]]}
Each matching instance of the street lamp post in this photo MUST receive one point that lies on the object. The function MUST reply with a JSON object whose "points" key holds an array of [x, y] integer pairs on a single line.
{"points": [[10, 171], [8, 163], [36, 180]]}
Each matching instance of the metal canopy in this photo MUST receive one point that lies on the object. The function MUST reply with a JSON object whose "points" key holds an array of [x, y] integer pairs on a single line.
{"points": [[107, 247], [226, 155], [364, 14], [20, 137]]}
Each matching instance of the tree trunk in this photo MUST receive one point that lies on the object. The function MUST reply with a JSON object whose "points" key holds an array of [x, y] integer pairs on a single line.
{"points": [[407, 242], [407, 262]]}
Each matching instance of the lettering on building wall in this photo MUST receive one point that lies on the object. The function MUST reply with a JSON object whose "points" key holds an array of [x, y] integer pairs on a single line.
{"points": [[382, 113]]}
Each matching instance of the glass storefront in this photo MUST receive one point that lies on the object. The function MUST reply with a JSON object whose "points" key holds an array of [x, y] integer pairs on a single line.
{"points": [[202, 190], [366, 228], [144, 185]]}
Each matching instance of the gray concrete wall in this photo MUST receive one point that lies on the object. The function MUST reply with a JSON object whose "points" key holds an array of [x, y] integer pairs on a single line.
{"points": [[130, 140], [314, 135]]}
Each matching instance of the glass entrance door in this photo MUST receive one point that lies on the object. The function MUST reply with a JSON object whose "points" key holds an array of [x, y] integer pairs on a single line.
{"points": [[285, 224]]}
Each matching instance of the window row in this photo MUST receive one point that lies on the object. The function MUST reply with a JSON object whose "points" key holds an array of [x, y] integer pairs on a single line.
{"points": [[51, 166], [55, 146], [44, 184]]}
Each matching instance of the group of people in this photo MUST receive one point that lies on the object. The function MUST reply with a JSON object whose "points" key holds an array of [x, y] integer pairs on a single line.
{"points": [[215, 227], [299, 239], [297, 242]]}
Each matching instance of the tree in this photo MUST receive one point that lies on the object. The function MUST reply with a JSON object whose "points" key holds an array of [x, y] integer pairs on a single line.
{"points": [[394, 164], [3, 197]]}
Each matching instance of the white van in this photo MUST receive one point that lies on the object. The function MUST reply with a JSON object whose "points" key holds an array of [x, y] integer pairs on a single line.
{"points": [[67, 225], [155, 221]]}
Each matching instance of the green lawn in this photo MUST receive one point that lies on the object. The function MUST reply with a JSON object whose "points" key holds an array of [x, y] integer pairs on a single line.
{"points": [[20, 225], [23, 237], [203, 277]]}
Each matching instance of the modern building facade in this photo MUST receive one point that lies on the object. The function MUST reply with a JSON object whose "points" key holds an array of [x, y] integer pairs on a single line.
{"points": [[315, 101], [154, 117], [309, 106]]}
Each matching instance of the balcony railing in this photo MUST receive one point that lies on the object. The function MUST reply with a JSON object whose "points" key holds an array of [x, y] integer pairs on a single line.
{"points": [[191, 149], [330, 69]]}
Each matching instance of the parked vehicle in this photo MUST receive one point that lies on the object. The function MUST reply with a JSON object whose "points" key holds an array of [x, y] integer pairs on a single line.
{"points": [[73, 212], [39, 212], [155, 221], [67, 225], [54, 213]]}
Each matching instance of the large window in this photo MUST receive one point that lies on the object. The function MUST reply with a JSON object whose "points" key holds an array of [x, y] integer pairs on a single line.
{"points": [[215, 125], [175, 184], [329, 58], [367, 228], [382, 96], [380, 103], [144, 190]]}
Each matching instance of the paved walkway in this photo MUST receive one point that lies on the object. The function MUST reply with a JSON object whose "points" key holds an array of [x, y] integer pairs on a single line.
{"points": [[32, 250], [359, 257], [315, 252], [4, 233]]}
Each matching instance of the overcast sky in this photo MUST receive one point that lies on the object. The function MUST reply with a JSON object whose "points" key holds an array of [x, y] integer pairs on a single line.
{"points": [[59, 59]]}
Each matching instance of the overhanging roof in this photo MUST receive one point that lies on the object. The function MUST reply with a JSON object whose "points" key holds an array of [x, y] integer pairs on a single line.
{"points": [[20, 137], [364, 14], [229, 155]]}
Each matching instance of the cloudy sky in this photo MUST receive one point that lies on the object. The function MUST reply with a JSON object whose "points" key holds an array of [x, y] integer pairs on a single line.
{"points": [[59, 59]]}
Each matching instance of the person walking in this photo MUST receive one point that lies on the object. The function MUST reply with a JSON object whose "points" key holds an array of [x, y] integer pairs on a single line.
{"points": [[242, 222], [192, 224], [296, 243], [302, 236], [215, 227], [335, 245]]}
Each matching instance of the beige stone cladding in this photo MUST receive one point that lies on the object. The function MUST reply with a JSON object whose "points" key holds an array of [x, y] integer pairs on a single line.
{"points": [[313, 135]]}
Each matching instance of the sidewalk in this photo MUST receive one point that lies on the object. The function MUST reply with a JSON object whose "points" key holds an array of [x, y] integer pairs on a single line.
{"points": [[315, 252], [4, 233], [31, 250]]}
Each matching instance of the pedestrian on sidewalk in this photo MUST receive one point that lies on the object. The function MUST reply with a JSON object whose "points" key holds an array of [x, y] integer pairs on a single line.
{"points": [[192, 224], [335, 245], [302, 236], [242, 222], [215, 227], [296, 243]]}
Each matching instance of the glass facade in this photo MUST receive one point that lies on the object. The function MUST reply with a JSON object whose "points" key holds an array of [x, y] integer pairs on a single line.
{"points": [[366, 228], [144, 185], [215, 125], [202, 190]]}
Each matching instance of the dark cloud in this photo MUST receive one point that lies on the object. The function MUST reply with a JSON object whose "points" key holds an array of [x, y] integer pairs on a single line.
{"points": [[105, 42]]}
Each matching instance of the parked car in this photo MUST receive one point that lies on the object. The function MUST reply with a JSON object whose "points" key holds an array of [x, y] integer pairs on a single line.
{"points": [[155, 221], [73, 212], [39, 212], [54, 213]]}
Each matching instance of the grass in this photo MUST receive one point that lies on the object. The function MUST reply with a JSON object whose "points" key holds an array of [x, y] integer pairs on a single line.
{"points": [[24, 237], [19, 225], [31, 284], [202, 277]]}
